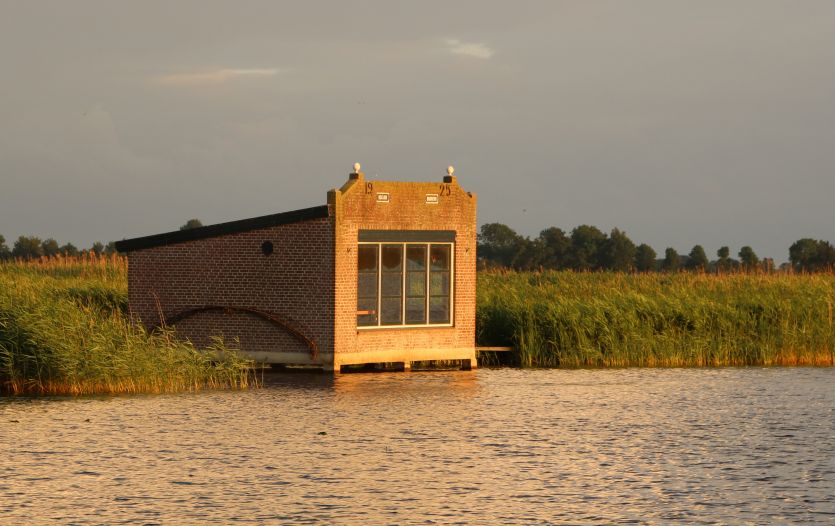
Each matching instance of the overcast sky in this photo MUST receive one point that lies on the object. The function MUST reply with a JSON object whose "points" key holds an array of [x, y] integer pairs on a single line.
{"points": [[709, 122]]}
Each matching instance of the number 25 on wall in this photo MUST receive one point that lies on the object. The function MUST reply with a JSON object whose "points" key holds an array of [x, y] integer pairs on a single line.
{"points": [[445, 189]]}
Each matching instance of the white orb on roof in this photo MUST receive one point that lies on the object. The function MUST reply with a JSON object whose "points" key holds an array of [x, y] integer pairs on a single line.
{"points": [[357, 168], [450, 170]]}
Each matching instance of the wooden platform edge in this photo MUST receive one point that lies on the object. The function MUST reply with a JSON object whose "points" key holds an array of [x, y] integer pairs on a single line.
{"points": [[495, 349]]}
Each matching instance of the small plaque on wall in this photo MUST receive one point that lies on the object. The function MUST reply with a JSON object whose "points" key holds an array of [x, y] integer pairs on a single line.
{"points": [[431, 199], [382, 197]]}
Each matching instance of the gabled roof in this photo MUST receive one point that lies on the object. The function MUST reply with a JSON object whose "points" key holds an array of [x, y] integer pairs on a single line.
{"points": [[222, 229]]}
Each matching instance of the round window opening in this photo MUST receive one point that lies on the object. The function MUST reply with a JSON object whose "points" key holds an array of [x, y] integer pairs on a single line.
{"points": [[267, 248]]}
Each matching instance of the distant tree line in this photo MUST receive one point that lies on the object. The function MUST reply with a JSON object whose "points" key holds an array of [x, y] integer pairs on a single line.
{"points": [[32, 247], [588, 248], [584, 248]]}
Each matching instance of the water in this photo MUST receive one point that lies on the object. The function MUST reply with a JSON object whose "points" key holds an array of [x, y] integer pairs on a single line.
{"points": [[487, 447]]}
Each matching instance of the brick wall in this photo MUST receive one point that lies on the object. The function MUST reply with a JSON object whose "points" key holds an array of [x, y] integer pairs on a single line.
{"points": [[356, 208], [311, 278], [295, 282]]}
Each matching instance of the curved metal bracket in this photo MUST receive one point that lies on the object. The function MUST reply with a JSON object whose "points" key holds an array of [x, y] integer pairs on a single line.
{"points": [[264, 315]]}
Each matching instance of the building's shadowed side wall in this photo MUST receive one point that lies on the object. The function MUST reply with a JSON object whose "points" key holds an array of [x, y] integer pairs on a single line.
{"points": [[295, 283]]}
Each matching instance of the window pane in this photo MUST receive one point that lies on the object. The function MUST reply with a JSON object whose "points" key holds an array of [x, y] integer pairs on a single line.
{"points": [[367, 287], [416, 257], [368, 306], [392, 284], [439, 257], [416, 284], [439, 284], [391, 310], [415, 310], [392, 257], [367, 258], [439, 309]]}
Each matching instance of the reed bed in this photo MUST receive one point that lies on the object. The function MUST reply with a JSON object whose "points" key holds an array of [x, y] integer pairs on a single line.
{"points": [[570, 319], [64, 331], [64, 327]]}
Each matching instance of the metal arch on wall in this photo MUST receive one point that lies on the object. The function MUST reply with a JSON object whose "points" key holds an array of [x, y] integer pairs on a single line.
{"points": [[264, 315]]}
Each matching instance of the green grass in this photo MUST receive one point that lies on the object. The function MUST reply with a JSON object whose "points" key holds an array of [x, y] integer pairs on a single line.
{"points": [[567, 319], [64, 330]]}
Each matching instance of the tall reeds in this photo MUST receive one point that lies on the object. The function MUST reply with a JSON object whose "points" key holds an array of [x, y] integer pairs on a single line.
{"points": [[64, 327], [568, 319], [64, 330]]}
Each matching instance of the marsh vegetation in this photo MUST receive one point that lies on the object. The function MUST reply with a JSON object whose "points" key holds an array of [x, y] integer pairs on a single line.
{"points": [[64, 330], [616, 319], [64, 327]]}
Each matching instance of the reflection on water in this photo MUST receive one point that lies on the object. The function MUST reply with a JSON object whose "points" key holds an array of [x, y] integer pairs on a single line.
{"points": [[486, 447]]}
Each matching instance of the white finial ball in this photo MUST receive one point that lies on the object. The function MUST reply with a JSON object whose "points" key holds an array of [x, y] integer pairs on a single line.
{"points": [[357, 168], [450, 170]]}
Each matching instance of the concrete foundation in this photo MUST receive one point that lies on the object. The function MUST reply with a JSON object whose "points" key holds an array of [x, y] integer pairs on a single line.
{"points": [[333, 364]]}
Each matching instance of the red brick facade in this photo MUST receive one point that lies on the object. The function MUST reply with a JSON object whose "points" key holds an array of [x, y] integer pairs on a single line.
{"points": [[356, 207], [295, 283], [218, 281]]}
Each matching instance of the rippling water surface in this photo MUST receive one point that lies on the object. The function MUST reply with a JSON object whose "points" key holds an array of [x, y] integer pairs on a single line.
{"points": [[496, 446]]}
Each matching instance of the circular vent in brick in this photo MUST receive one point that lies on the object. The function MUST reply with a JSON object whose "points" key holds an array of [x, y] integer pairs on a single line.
{"points": [[267, 248]]}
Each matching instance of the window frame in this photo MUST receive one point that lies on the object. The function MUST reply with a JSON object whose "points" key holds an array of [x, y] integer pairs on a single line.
{"points": [[403, 285]]}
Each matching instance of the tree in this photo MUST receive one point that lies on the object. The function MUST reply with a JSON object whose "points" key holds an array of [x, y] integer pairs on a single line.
{"points": [[50, 247], [811, 255], [191, 223], [723, 264], [553, 248], [27, 247], [645, 258], [697, 259], [498, 244], [5, 252], [671, 260], [110, 248], [618, 252], [748, 258], [97, 248], [826, 256], [69, 250], [803, 253], [586, 246], [526, 255]]}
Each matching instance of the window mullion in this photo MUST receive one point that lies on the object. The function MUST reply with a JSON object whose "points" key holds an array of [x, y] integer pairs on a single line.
{"points": [[379, 283], [426, 291]]}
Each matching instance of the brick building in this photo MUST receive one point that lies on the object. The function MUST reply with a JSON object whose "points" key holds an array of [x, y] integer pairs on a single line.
{"points": [[384, 272]]}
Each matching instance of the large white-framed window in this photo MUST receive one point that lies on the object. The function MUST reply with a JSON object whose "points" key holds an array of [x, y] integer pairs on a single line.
{"points": [[408, 284]]}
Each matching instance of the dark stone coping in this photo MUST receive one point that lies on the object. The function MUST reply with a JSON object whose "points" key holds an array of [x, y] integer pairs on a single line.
{"points": [[405, 236], [222, 229]]}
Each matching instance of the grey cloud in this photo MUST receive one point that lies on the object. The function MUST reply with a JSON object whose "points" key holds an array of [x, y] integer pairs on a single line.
{"points": [[682, 123]]}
